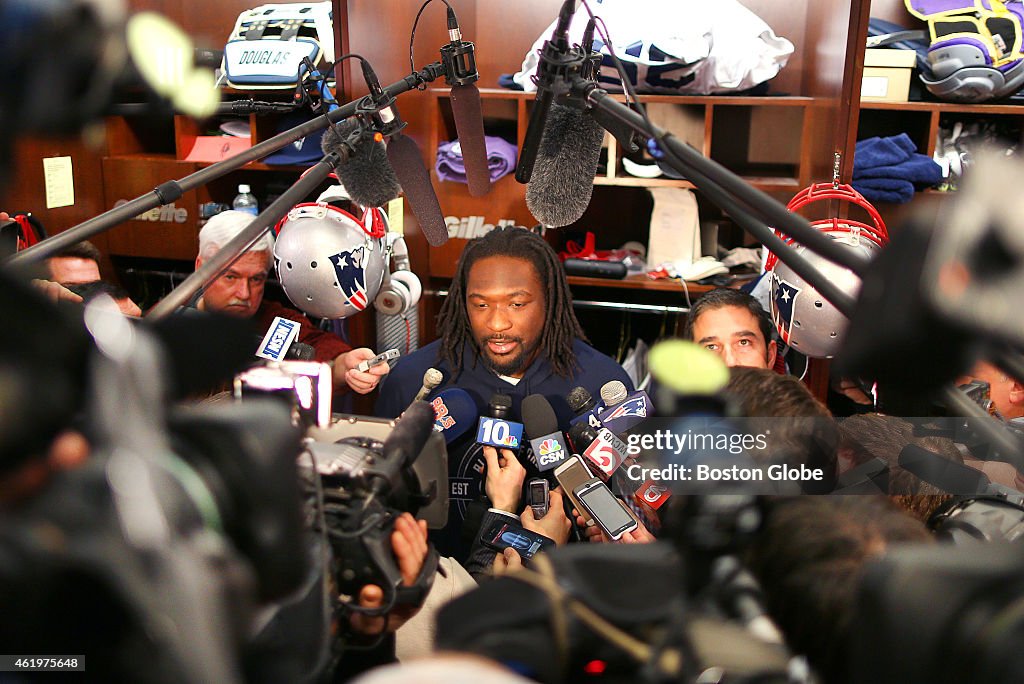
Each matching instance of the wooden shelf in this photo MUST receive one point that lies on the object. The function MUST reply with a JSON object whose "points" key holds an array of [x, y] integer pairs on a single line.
{"points": [[947, 107], [727, 100], [637, 281]]}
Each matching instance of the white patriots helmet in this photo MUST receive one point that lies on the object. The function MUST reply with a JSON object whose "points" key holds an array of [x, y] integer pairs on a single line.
{"points": [[804, 319], [330, 264]]}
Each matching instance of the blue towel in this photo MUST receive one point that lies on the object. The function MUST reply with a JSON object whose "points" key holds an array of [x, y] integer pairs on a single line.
{"points": [[874, 152], [919, 170], [890, 190]]}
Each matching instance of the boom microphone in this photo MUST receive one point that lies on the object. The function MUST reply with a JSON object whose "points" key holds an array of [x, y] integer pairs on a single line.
{"points": [[367, 174], [554, 51], [563, 179], [461, 74], [431, 379], [405, 157]]}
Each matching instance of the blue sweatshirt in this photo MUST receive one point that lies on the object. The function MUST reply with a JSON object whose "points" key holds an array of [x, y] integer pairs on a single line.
{"points": [[594, 369], [466, 465]]}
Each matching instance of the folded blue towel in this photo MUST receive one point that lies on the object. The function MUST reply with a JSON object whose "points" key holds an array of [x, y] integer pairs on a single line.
{"points": [[885, 189], [919, 170], [873, 152]]}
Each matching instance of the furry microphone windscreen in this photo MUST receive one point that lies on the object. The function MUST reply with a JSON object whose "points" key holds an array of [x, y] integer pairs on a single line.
{"points": [[563, 178], [366, 174]]}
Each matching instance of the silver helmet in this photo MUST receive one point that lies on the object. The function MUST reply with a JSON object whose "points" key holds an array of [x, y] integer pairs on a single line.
{"points": [[804, 319], [330, 264]]}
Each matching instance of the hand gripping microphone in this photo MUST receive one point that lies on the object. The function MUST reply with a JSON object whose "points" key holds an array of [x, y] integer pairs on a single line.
{"points": [[405, 157], [431, 379], [495, 429], [454, 413], [547, 441], [460, 73]]}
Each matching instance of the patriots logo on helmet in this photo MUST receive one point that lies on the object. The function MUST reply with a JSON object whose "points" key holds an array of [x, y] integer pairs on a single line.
{"points": [[348, 267], [631, 407], [784, 296]]}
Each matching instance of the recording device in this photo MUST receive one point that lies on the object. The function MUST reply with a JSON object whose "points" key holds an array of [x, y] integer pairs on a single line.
{"points": [[383, 357], [606, 451], [494, 429], [504, 534], [460, 73], [278, 340], [572, 474], [537, 494], [431, 379], [430, 467], [546, 440], [365, 484], [605, 508]]}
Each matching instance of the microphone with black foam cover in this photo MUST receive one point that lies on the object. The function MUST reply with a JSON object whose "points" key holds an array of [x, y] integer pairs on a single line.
{"points": [[366, 174], [459, 62], [404, 444], [431, 379], [584, 406], [563, 177], [455, 413], [541, 426]]}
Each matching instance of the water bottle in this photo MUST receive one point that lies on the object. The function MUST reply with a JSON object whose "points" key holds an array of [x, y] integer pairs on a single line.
{"points": [[245, 201]]}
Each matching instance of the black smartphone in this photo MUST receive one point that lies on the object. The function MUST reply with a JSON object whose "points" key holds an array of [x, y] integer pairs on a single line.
{"points": [[605, 508], [508, 533]]}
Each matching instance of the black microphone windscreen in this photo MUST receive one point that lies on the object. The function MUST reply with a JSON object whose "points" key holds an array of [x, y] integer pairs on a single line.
{"points": [[580, 400], [366, 174], [581, 435], [469, 124], [538, 417], [411, 431], [405, 157], [563, 178]]}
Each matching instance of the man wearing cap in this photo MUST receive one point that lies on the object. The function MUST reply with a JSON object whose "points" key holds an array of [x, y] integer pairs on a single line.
{"points": [[239, 292]]}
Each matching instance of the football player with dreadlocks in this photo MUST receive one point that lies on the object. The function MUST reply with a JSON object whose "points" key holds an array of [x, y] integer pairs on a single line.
{"points": [[506, 327]]}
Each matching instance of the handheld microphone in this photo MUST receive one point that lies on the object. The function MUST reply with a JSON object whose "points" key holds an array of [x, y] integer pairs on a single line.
{"points": [[555, 50], [541, 424], [366, 174], [583, 406], [454, 413], [405, 443], [600, 446], [613, 392], [276, 343], [431, 379], [460, 73], [495, 429], [627, 413]]}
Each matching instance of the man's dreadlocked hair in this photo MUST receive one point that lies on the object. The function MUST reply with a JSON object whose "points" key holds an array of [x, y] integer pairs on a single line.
{"points": [[560, 324]]}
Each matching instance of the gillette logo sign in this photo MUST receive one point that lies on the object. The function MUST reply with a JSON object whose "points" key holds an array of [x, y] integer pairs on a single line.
{"points": [[279, 337], [168, 213]]}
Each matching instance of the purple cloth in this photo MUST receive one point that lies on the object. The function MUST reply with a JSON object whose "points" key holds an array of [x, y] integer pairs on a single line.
{"points": [[501, 159]]}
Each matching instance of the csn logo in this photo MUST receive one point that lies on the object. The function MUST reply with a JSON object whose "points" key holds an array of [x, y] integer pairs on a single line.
{"points": [[550, 451]]}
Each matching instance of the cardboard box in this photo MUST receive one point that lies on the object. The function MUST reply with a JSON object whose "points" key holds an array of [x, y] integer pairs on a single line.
{"points": [[887, 75]]}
